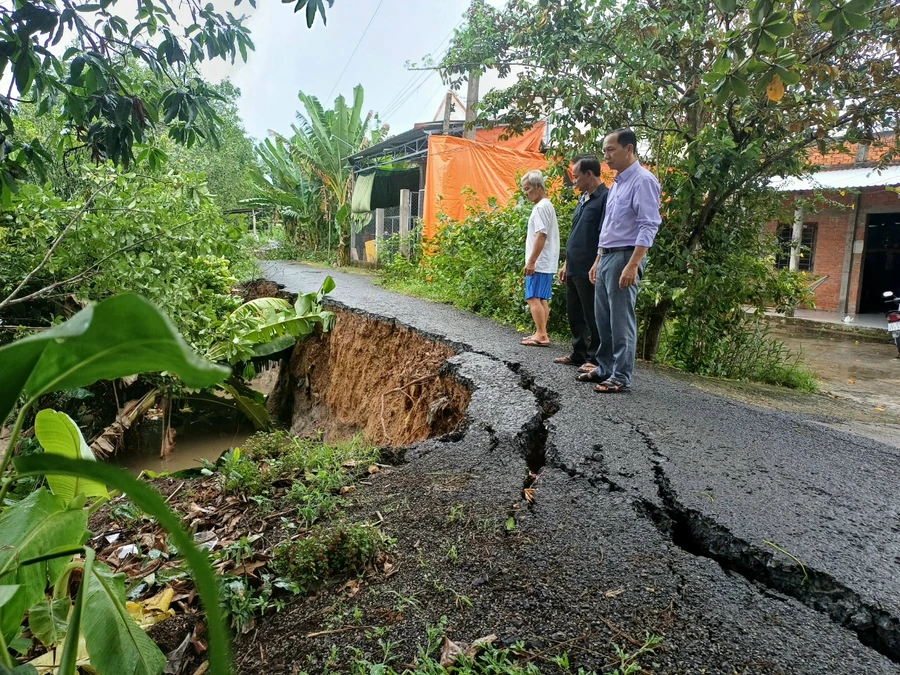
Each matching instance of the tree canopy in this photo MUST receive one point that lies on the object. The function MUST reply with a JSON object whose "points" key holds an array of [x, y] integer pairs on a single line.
{"points": [[103, 105], [724, 96]]}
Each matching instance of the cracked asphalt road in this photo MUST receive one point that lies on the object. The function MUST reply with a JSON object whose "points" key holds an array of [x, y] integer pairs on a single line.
{"points": [[756, 513]]}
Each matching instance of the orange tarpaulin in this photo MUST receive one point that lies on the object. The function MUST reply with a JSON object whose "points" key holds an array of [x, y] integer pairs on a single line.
{"points": [[530, 141], [489, 170]]}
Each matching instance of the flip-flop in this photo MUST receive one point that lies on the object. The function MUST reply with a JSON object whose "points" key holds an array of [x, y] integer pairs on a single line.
{"points": [[566, 361], [586, 367], [534, 343]]}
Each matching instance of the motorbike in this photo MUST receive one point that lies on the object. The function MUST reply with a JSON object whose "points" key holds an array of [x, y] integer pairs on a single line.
{"points": [[893, 317]]}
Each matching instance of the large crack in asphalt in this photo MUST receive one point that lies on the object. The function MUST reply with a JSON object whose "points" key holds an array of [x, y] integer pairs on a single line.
{"points": [[688, 529], [700, 535]]}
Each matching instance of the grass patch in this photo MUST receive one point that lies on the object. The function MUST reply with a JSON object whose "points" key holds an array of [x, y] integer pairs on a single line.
{"points": [[489, 659], [316, 470]]}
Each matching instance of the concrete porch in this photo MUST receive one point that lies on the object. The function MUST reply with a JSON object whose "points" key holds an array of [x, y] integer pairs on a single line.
{"points": [[871, 326]]}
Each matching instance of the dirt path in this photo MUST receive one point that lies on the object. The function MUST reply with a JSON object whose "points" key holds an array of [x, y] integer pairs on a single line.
{"points": [[750, 540]]}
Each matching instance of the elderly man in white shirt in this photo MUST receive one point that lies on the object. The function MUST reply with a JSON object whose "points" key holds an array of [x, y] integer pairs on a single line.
{"points": [[541, 256]]}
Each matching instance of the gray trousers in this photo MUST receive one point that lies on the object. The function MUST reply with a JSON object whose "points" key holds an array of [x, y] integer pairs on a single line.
{"points": [[616, 320]]}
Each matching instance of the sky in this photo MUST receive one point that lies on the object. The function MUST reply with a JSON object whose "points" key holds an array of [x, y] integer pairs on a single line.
{"points": [[289, 58]]}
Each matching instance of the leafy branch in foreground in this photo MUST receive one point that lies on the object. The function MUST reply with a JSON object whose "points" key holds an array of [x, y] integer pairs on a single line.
{"points": [[120, 336], [106, 108]]}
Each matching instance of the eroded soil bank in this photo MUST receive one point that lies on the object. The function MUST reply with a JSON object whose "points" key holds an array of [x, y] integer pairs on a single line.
{"points": [[375, 376]]}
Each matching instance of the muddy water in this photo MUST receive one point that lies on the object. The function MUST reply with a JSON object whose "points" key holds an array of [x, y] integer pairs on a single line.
{"points": [[866, 372], [191, 447]]}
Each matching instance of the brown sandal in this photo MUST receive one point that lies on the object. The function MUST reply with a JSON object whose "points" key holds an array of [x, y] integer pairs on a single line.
{"points": [[588, 377], [610, 387], [586, 367]]}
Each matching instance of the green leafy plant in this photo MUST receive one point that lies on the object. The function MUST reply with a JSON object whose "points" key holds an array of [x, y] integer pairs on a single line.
{"points": [[40, 534], [337, 549], [306, 177], [268, 325], [161, 236]]}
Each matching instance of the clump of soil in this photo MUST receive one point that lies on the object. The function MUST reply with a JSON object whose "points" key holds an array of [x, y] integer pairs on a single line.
{"points": [[375, 376], [261, 288]]}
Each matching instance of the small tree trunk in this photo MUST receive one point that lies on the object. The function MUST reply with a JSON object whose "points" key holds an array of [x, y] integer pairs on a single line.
{"points": [[343, 250], [653, 330]]}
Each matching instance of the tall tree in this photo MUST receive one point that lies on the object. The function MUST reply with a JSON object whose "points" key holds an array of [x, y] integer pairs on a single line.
{"points": [[227, 164], [726, 94], [107, 109]]}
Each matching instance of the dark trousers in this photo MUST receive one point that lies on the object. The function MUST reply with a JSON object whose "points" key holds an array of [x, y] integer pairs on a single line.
{"points": [[580, 308]]}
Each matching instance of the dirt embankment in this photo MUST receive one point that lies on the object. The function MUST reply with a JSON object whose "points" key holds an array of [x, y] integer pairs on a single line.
{"points": [[374, 376]]}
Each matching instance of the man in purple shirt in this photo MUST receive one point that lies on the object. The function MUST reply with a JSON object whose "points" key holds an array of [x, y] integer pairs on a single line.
{"points": [[629, 228]]}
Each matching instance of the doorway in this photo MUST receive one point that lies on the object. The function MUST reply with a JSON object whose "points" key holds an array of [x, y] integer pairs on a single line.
{"points": [[881, 269]]}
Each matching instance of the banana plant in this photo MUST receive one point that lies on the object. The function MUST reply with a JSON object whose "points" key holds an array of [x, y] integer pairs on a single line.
{"points": [[43, 537], [269, 325]]}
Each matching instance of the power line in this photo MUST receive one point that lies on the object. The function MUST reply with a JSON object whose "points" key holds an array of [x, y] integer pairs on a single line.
{"points": [[406, 96], [430, 97], [353, 53], [416, 80]]}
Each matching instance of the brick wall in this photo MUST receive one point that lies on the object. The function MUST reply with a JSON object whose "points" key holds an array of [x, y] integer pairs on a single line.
{"points": [[833, 226], [846, 155]]}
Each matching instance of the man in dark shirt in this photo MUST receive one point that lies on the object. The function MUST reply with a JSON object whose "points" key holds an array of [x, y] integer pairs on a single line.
{"points": [[581, 251]]}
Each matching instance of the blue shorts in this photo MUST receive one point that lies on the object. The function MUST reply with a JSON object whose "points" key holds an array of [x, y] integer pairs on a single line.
{"points": [[539, 285]]}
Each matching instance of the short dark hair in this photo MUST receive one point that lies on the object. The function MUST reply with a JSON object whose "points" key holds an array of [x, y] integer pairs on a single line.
{"points": [[626, 137], [587, 164]]}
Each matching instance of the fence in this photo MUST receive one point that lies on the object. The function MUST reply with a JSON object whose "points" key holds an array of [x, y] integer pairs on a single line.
{"points": [[402, 221]]}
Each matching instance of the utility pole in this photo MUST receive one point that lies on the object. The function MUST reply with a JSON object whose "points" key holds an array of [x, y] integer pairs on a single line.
{"points": [[448, 106], [471, 103], [474, 81]]}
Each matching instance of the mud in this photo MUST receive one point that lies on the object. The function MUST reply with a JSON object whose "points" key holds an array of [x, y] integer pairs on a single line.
{"points": [[865, 372], [376, 377]]}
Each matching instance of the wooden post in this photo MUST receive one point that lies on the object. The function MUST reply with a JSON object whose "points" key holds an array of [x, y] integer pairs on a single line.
{"points": [[253, 216], [379, 233], [404, 222], [448, 106]]}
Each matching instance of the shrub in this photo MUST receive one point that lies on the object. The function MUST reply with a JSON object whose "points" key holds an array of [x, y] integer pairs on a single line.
{"points": [[477, 264], [343, 548], [744, 351], [266, 444], [161, 236]]}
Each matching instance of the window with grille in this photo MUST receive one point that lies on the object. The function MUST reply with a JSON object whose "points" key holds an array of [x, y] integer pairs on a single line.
{"points": [[807, 247]]}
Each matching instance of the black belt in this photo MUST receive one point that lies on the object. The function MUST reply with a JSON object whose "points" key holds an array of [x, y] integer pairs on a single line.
{"points": [[616, 249]]}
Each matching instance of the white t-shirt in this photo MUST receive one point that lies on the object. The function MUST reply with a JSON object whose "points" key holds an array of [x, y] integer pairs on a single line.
{"points": [[543, 219]]}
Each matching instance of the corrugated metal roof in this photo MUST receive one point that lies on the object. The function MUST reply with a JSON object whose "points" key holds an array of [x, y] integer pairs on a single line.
{"points": [[839, 179]]}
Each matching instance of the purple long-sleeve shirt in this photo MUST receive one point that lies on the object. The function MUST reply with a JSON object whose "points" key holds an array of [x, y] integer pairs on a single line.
{"points": [[632, 210]]}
